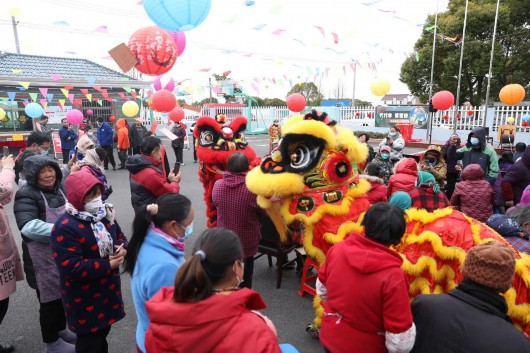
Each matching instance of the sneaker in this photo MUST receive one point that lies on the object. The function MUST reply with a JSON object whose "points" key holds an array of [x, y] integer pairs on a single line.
{"points": [[6, 348], [195, 161], [182, 163], [59, 346], [68, 336]]}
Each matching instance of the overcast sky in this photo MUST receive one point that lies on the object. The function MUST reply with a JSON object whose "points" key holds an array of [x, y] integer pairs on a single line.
{"points": [[268, 46]]}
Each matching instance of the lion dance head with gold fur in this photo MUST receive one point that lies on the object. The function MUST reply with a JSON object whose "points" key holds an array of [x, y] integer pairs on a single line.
{"points": [[312, 178]]}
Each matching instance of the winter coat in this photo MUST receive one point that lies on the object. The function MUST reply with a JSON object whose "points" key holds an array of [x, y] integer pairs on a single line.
{"points": [[386, 168], [137, 135], [483, 155], [235, 202], [123, 135], [156, 266], [180, 132], [439, 170], [397, 146], [377, 191], [218, 324], [91, 290], [105, 134], [450, 160], [22, 155], [404, 178], [517, 178], [148, 180], [356, 318], [474, 195], [11, 269], [68, 137], [29, 205], [425, 197], [461, 323], [499, 196], [511, 231]]}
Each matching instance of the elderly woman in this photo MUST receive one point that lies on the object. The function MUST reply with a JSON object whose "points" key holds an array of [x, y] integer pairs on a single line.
{"points": [[38, 205], [89, 247], [396, 143], [433, 162]]}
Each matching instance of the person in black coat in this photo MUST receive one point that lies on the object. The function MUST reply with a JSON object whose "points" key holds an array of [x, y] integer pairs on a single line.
{"points": [[178, 144], [473, 317]]}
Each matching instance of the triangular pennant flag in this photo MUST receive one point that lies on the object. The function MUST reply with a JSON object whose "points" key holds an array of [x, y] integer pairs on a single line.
{"points": [[43, 103], [55, 77], [94, 99], [43, 91], [122, 95], [33, 96], [65, 92], [153, 126], [49, 96], [100, 102], [84, 91], [4, 99], [335, 38], [69, 87], [97, 88], [104, 93], [134, 94], [128, 89], [61, 102], [24, 84], [78, 101], [25, 102], [11, 95], [89, 96], [71, 98], [90, 79], [16, 71]]}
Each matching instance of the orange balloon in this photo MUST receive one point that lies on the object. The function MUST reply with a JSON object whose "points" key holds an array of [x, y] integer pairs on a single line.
{"points": [[512, 94]]}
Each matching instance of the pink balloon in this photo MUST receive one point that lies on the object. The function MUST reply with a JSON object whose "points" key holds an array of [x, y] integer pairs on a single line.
{"points": [[180, 41], [74, 117], [89, 112], [157, 84]]}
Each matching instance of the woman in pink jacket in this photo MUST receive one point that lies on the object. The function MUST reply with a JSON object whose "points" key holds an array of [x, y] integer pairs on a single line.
{"points": [[10, 263]]}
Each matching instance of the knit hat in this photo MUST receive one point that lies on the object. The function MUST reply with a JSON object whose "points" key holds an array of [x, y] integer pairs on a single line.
{"points": [[401, 199], [425, 178], [92, 159], [491, 265], [385, 148]]}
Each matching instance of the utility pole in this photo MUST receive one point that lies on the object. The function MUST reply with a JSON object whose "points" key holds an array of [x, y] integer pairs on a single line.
{"points": [[354, 75], [457, 103], [210, 86], [486, 102], [15, 23], [431, 115]]}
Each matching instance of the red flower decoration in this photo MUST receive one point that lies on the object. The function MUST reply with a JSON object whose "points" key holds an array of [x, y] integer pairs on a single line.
{"points": [[337, 168]]}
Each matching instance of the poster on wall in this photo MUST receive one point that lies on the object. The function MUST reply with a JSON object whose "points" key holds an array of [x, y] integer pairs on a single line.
{"points": [[386, 116], [55, 113]]}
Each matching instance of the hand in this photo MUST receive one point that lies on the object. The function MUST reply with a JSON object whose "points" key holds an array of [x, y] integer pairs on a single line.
{"points": [[174, 178], [458, 167], [116, 262], [75, 167], [117, 259], [8, 162]]}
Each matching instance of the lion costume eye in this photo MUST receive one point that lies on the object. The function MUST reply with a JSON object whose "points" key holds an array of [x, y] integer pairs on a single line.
{"points": [[301, 152], [207, 138]]}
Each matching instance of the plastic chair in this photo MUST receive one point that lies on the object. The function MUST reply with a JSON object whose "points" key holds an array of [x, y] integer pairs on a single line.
{"points": [[304, 282]]}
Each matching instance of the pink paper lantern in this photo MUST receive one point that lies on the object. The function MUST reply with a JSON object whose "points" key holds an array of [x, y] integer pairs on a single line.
{"points": [[89, 112], [296, 102], [180, 41], [74, 117], [443, 100]]}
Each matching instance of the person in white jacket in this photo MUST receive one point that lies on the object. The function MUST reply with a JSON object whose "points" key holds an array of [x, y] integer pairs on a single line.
{"points": [[396, 142]]}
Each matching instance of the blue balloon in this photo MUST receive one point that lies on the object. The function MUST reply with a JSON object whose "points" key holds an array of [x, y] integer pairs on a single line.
{"points": [[34, 110], [177, 15], [526, 117]]}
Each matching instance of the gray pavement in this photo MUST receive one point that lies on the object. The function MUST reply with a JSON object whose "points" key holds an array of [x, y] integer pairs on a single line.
{"points": [[289, 312]]}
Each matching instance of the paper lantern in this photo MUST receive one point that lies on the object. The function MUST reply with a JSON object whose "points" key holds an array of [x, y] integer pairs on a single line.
{"points": [[89, 112], [470, 113], [526, 117], [443, 100], [180, 41], [380, 87], [154, 50], [512, 94], [296, 102], [446, 117], [357, 114], [510, 120], [34, 110], [2, 113], [177, 114], [458, 116], [177, 15], [74, 116], [112, 118], [163, 101], [130, 109], [164, 83], [525, 123]]}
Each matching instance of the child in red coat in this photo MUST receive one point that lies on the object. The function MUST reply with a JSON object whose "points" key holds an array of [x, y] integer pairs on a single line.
{"points": [[404, 178], [377, 191], [474, 195]]}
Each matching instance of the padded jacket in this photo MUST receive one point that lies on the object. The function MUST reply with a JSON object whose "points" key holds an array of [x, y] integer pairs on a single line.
{"points": [[474, 195], [377, 191], [404, 178], [105, 134]]}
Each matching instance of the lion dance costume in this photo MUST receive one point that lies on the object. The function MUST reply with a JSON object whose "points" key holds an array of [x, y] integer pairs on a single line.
{"points": [[216, 141], [312, 178]]}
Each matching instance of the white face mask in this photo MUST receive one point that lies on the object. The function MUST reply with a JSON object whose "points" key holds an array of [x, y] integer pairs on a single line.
{"points": [[94, 205], [239, 280]]}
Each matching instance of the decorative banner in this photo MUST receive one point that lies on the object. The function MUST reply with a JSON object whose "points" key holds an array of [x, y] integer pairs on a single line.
{"points": [[16, 71], [71, 98], [61, 103], [33, 96], [89, 96], [24, 84], [11, 95], [392, 115], [335, 38], [84, 91], [43, 91], [69, 87], [134, 94], [43, 102], [65, 92], [90, 79], [49, 97]]}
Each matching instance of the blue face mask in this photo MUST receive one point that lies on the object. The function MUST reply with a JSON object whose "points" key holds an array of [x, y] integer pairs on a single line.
{"points": [[187, 232], [385, 156], [474, 141], [44, 153]]}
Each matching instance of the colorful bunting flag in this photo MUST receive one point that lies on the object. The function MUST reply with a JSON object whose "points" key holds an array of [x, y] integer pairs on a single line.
{"points": [[33, 96], [84, 91], [90, 79], [43, 91], [49, 96], [16, 71], [24, 84], [69, 87], [134, 94], [335, 38], [71, 97], [65, 92], [11, 95], [61, 102], [88, 96], [321, 30], [43, 102]]}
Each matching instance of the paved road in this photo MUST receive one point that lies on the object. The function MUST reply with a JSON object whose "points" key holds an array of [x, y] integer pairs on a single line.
{"points": [[289, 312]]}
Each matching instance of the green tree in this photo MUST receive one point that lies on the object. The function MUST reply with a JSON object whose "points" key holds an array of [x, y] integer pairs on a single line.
{"points": [[361, 103], [273, 102], [310, 91], [511, 63]]}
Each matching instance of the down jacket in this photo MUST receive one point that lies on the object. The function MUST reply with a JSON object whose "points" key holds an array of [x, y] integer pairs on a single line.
{"points": [[377, 191], [474, 195], [404, 178], [517, 178]]}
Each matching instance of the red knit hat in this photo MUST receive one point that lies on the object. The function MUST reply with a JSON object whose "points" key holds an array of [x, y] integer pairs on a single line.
{"points": [[491, 264]]}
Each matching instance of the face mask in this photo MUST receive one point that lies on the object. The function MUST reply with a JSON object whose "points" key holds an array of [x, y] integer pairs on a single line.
{"points": [[187, 232], [385, 156], [95, 205], [431, 160], [44, 152], [239, 280], [474, 141]]}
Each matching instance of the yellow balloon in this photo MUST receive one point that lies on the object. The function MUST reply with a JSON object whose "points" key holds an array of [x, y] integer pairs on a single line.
{"points": [[380, 87], [510, 120], [2, 113], [130, 109]]}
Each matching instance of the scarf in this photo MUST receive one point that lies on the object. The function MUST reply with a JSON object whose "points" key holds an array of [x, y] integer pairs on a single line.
{"points": [[487, 295], [427, 179], [177, 244], [401, 199], [103, 237]]}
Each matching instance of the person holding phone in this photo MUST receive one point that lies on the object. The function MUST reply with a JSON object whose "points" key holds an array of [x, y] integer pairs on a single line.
{"points": [[68, 137]]}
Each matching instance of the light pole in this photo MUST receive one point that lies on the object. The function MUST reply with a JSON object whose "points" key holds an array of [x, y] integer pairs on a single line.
{"points": [[14, 12], [457, 102], [429, 122], [486, 102], [354, 76]]}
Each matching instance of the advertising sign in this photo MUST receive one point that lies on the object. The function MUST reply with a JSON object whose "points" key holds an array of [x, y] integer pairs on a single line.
{"points": [[386, 116], [55, 113]]}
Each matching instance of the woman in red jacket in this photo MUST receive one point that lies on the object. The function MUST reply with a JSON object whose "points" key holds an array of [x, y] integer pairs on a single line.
{"points": [[206, 311], [404, 178], [364, 291]]}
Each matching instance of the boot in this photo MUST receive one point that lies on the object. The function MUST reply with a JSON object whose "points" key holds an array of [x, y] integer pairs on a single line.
{"points": [[6, 348], [68, 336], [59, 346]]}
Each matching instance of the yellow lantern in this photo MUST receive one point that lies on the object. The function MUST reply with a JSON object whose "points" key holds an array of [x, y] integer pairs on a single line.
{"points": [[510, 120], [380, 87], [14, 12], [512, 94], [130, 109], [2, 113]]}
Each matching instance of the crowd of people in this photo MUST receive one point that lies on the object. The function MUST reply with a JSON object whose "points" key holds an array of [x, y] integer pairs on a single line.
{"points": [[73, 248]]}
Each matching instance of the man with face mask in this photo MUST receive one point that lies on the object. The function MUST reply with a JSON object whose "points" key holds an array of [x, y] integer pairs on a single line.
{"points": [[476, 151]]}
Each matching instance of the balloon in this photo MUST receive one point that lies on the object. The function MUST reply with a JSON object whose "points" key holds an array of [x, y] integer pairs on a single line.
{"points": [[89, 112], [177, 15], [180, 41], [458, 116], [525, 123], [168, 84], [445, 117], [443, 100], [296, 102], [163, 101], [2, 113], [357, 114], [526, 117], [380, 87], [130, 109], [512, 94], [74, 117], [112, 118], [34, 110], [470, 113], [154, 50], [510, 120], [177, 114]]}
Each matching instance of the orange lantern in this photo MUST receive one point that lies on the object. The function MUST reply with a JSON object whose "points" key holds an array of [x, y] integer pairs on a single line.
{"points": [[512, 94], [177, 114], [154, 50], [163, 101]]}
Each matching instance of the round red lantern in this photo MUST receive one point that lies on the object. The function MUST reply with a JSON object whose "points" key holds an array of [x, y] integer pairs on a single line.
{"points": [[163, 101], [296, 102], [443, 100], [525, 123], [445, 117], [470, 113], [357, 114], [369, 115], [177, 114], [154, 50], [112, 118], [458, 116]]}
